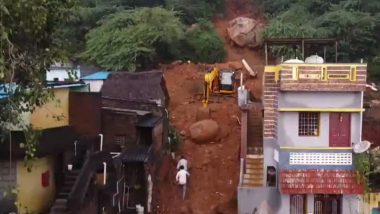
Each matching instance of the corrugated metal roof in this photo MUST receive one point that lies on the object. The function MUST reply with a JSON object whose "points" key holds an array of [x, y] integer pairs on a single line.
{"points": [[136, 154], [101, 75], [319, 182], [148, 122]]}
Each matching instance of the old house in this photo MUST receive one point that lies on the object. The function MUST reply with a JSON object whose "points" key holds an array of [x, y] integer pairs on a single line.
{"points": [[129, 119], [135, 123], [36, 188], [312, 117]]}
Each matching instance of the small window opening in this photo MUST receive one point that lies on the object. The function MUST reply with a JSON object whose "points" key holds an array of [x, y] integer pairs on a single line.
{"points": [[271, 176]]}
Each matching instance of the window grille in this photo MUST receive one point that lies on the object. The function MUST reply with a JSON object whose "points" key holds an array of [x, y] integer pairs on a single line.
{"points": [[303, 158], [120, 140], [308, 124], [297, 204]]}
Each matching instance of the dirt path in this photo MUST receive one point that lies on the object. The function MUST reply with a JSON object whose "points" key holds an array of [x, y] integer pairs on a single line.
{"points": [[214, 168]]}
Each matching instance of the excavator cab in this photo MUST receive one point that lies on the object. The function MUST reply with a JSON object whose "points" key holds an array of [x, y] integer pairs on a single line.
{"points": [[218, 82], [227, 81]]}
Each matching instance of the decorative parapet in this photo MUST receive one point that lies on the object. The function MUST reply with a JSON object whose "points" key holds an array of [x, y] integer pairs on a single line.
{"points": [[321, 77]]}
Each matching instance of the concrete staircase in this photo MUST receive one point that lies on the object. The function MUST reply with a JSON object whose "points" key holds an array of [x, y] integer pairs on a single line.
{"points": [[255, 129], [254, 176], [60, 203]]}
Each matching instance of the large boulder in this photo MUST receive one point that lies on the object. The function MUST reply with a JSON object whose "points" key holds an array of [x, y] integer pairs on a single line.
{"points": [[246, 32], [204, 131]]}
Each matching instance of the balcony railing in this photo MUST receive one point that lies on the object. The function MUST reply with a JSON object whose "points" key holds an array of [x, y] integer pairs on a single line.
{"points": [[316, 158], [320, 76]]}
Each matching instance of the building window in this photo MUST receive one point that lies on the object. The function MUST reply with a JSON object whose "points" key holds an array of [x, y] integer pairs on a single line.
{"points": [[308, 124], [121, 140]]}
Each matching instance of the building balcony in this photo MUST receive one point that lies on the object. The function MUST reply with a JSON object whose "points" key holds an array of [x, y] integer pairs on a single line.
{"points": [[320, 77], [318, 171]]}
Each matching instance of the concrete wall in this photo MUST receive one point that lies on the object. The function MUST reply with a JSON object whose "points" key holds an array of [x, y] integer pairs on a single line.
{"points": [[319, 100], [54, 113], [264, 200], [158, 136], [7, 177], [62, 74], [95, 85], [119, 124], [288, 130], [352, 204], [85, 113], [31, 192]]}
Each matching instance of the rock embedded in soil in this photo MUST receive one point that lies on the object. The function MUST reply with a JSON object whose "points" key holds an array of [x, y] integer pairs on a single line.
{"points": [[183, 133], [204, 131]]}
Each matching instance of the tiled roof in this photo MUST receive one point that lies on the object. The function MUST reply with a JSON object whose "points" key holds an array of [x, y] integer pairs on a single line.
{"points": [[140, 86], [319, 182]]}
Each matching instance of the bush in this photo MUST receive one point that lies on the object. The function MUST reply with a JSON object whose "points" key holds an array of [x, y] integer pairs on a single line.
{"points": [[202, 44], [191, 11]]}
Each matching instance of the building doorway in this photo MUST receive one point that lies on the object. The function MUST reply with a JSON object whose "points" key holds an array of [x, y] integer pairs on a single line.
{"points": [[298, 204], [327, 204], [340, 129]]}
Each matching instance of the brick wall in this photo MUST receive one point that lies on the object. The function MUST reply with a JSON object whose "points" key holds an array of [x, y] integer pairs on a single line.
{"points": [[270, 103], [7, 177], [118, 124], [85, 113]]}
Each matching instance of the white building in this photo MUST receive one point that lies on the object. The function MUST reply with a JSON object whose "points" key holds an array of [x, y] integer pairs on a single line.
{"points": [[96, 80], [63, 72]]}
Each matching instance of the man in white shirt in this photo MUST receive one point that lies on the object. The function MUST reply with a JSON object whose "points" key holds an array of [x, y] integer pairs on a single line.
{"points": [[181, 178], [182, 162]]}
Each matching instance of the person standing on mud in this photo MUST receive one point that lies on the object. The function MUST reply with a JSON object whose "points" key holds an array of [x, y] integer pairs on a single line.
{"points": [[181, 178]]}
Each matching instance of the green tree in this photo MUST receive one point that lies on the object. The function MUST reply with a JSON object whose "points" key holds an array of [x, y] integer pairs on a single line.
{"points": [[354, 23], [128, 40], [28, 44], [202, 44], [192, 11]]}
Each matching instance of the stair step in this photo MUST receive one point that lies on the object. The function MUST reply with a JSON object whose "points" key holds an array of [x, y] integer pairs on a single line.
{"points": [[63, 195], [255, 156], [252, 183], [254, 171], [65, 189], [254, 161], [255, 167], [70, 178], [59, 209], [253, 177], [60, 201], [69, 183]]}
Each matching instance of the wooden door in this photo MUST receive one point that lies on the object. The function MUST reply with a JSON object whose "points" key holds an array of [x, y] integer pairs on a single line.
{"points": [[340, 129]]}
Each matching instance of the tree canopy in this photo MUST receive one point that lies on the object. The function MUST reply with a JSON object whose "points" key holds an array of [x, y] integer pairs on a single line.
{"points": [[356, 24], [129, 39], [29, 43]]}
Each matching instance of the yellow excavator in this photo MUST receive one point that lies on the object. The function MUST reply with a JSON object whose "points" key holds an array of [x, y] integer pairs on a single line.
{"points": [[218, 82]]}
